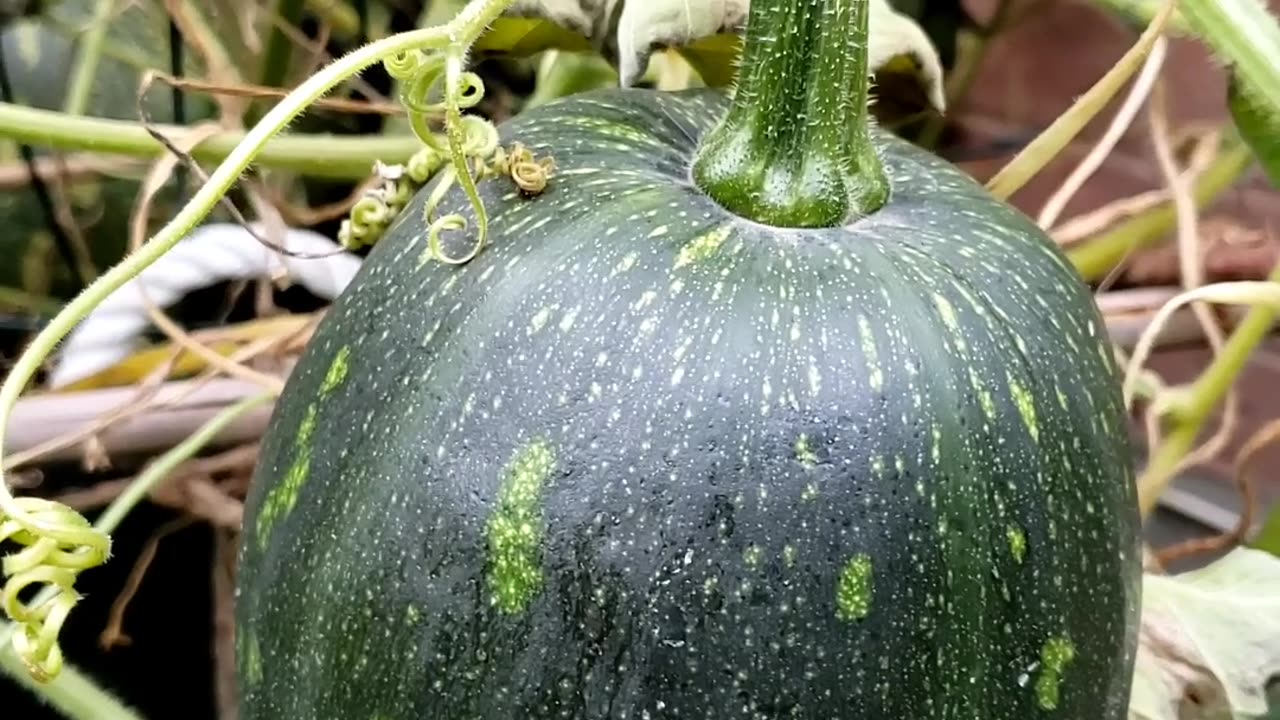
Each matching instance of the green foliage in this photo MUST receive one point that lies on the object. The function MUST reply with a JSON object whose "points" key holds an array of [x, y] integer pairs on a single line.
{"points": [[1244, 36], [1214, 632], [1259, 125]]}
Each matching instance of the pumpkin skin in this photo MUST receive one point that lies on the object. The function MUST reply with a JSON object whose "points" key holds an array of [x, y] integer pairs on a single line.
{"points": [[644, 459]]}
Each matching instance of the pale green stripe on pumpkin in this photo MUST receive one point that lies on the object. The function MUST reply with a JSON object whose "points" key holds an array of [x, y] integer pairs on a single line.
{"points": [[515, 530], [252, 658], [1026, 407], [804, 453], [1017, 543], [1056, 654], [282, 498], [703, 246], [338, 370], [853, 591], [875, 374]]}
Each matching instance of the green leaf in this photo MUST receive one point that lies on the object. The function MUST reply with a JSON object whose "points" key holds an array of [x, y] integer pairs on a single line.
{"points": [[522, 36], [1212, 634], [1259, 125], [1244, 35], [714, 57]]}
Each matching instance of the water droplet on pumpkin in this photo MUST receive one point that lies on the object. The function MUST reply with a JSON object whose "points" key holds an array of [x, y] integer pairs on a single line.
{"points": [[1025, 677]]}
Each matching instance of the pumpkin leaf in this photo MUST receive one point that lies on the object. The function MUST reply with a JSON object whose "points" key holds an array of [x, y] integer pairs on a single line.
{"points": [[1210, 640], [531, 26], [1259, 125], [705, 32], [1245, 36], [522, 36]]}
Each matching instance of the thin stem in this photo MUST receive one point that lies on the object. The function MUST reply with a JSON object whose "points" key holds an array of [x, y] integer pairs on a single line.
{"points": [[1120, 124], [315, 155], [163, 466], [73, 693], [86, 68], [795, 148], [1049, 144], [1205, 394], [1098, 256]]}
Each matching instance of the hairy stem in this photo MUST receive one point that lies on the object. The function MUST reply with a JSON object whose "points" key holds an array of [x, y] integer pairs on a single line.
{"points": [[73, 694], [1244, 34], [795, 148]]}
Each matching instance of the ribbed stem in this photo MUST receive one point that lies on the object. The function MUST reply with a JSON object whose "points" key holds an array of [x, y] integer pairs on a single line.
{"points": [[794, 149]]}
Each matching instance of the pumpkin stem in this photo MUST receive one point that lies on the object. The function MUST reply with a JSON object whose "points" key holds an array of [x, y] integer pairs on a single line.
{"points": [[794, 149]]}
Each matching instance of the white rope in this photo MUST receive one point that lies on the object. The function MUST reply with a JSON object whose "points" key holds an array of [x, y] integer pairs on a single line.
{"points": [[211, 254]]}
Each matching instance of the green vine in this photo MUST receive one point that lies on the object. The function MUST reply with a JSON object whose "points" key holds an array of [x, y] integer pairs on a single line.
{"points": [[58, 543], [341, 157]]}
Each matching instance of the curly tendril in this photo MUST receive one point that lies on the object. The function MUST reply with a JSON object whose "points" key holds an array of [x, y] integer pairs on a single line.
{"points": [[459, 89], [402, 65], [530, 174], [424, 164], [373, 213], [58, 543], [437, 86]]}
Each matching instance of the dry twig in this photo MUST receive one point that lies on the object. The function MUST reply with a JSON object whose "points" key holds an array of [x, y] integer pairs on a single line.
{"points": [[1203, 152], [113, 634], [1266, 436], [1119, 125], [1191, 268]]}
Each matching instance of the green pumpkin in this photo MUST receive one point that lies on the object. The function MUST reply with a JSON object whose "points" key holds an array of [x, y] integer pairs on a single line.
{"points": [[646, 458], [40, 54]]}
